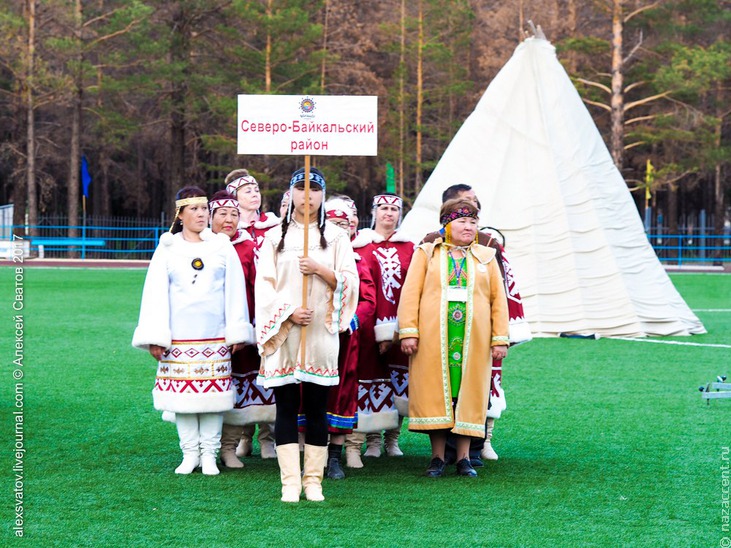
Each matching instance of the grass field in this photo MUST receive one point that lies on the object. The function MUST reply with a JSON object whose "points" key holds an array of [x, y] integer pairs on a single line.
{"points": [[604, 443]]}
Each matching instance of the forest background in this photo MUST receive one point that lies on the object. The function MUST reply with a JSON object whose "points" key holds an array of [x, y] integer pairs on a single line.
{"points": [[146, 91]]}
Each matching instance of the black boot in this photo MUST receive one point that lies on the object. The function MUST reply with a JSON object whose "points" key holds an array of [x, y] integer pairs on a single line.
{"points": [[334, 469]]}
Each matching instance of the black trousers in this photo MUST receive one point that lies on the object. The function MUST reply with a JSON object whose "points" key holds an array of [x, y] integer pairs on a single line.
{"points": [[312, 399]]}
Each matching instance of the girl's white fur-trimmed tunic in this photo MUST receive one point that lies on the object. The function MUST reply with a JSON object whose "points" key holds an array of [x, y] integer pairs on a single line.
{"points": [[195, 314], [279, 294]]}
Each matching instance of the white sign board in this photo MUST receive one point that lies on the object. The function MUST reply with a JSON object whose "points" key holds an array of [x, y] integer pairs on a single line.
{"points": [[317, 125]]}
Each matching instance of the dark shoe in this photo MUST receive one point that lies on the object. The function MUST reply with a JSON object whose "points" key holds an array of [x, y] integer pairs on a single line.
{"points": [[334, 470], [464, 468], [436, 468], [477, 463]]}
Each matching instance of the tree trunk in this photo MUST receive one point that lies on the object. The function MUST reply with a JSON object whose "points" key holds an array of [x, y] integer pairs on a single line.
{"points": [[72, 190], [616, 145], [268, 52], [402, 100], [19, 213], [323, 65], [571, 31], [419, 99], [180, 52], [719, 209]]}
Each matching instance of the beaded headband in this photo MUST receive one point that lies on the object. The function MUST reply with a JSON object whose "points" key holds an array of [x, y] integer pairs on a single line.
{"points": [[180, 204], [352, 206], [319, 180], [234, 185], [457, 214], [387, 199], [226, 202], [337, 214], [299, 177], [191, 201]]}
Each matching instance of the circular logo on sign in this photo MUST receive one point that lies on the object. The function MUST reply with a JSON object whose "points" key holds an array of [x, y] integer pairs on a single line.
{"points": [[307, 105]]}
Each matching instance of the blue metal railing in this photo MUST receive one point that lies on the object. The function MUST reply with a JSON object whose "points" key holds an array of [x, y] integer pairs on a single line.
{"points": [[92, 242], [139, 242], [690, 248]]}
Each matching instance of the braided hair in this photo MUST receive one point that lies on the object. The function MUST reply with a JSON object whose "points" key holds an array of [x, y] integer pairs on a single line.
{"points": [[285, 227]]}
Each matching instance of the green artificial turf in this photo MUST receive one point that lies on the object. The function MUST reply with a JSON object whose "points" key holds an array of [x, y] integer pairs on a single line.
{"points": [[604, 443]]}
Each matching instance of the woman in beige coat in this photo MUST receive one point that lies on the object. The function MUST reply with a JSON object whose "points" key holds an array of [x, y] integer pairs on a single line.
{"points": [[453, 321]]}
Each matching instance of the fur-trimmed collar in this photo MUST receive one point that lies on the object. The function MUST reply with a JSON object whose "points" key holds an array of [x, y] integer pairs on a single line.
{"points": [[265, 221], [368, 236], [241, 236]]}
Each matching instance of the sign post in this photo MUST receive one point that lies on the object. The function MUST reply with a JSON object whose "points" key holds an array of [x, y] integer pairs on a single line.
{"points": [[319, 125]]}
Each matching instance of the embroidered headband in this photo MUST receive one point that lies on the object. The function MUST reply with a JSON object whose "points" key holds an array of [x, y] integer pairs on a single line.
{"points": [[226, 202], [191, 201], [299, 176], [337, 214], [388, 199], [339, 208], [457, 214], [180, 204], [315, 177], [234, 185], [351, 205]]}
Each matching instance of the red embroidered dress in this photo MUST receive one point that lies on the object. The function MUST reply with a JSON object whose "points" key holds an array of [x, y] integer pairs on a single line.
{"points": [[383, 383]]}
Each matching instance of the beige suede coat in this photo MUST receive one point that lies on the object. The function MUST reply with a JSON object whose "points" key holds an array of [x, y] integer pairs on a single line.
{"points": [[422, 313]]}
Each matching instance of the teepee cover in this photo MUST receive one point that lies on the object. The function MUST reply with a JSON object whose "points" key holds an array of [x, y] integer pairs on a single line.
{"points": [[545, 178]]}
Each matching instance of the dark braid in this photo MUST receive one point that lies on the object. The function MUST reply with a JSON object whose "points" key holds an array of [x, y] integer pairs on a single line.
{"points": [[285, 226], [323, 241]]}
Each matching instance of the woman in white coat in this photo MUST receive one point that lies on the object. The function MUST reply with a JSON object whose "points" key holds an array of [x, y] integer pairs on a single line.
{"points": [[191, 321]]}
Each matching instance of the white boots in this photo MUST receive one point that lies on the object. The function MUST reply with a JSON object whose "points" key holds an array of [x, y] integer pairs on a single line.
{"points": [[289, 471], [315, 460], [488, 453], [187, 425], [391, 440], [266, 441], [374, 442], [353, 443], [293, 480], [373, 445], [200, 439], [210, 425], [229, 440]]}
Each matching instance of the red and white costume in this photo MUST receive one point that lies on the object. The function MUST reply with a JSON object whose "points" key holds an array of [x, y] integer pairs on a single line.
{"points": [[383, 383], [342, 406]]}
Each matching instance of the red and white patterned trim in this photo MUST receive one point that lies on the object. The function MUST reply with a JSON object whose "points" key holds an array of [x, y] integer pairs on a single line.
{"points": [[226, 202], [234, 185], [387, 199]]}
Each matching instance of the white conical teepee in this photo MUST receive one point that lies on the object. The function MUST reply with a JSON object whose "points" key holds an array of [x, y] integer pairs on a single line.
{"points": [[545, 178]]}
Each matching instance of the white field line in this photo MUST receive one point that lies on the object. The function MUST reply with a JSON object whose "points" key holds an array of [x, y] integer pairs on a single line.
{"points": [[712, 310], [680, 343]]}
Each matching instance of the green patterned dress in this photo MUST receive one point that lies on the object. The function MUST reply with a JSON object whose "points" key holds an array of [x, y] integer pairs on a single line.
{"points": [[456, 314]]}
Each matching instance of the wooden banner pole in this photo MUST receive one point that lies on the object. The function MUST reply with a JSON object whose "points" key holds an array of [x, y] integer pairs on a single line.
{"points": [[303, 339]]}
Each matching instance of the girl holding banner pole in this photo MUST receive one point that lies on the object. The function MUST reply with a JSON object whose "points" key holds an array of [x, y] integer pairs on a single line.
{"points": [[322, 269]]}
